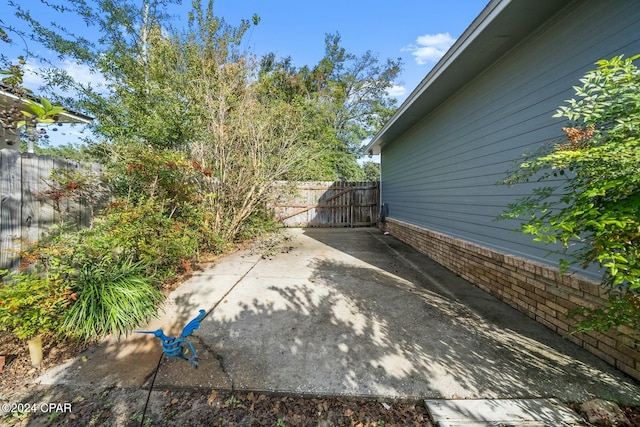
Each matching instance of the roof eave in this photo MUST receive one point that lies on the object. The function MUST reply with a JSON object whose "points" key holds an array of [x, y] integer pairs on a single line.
{"points": [[66, 117], [497, 29]]}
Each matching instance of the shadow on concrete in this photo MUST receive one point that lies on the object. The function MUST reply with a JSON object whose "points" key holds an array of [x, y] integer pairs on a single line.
{"points": [[358, 321]]}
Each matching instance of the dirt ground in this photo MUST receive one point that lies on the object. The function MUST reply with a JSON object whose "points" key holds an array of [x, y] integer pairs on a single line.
{"points": [[185, 407]]}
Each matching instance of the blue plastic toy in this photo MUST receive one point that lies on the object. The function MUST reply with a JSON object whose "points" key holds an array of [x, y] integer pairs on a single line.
{"points": [[177, 346]]}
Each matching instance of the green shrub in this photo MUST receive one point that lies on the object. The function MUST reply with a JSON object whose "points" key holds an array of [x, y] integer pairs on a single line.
{"points": [[113, 298], [158, 222], [31, 305], [140, 174], [145, 233], [259, 222], [593, 194]]}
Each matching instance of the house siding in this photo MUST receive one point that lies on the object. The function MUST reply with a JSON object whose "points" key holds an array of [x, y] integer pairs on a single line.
{"points": [[440, 178], [443, 173]]}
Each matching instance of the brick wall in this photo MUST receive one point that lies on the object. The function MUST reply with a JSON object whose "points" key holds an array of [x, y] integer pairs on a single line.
{"points": [[538, 290]]}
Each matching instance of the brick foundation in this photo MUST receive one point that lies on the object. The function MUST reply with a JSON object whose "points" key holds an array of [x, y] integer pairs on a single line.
{"points": [[538, 290]]}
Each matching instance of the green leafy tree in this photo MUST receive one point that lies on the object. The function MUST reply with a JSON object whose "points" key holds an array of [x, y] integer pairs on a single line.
{"points": [[244, 140], [137, 100], [371, 171], [191, 90], [598, 201], [345, 99]]}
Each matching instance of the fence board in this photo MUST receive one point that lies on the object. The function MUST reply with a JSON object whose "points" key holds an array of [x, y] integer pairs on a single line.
{"points": [[10, 195], [30, 211], [329, 204]]}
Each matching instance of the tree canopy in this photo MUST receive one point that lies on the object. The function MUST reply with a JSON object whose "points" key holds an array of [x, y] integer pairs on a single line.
{"points": [[194, 90], [142, 58], [344, 95]]}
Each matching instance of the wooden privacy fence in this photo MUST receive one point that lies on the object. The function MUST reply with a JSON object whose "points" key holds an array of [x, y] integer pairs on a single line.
{"points": [[329, 204], [25, 210]]}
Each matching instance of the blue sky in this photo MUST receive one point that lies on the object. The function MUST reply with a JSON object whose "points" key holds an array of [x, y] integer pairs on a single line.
{"points": [[402, 28], [417, 31]]}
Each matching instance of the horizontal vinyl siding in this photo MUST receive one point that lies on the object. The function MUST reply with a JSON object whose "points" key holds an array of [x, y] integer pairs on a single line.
{"points": [[442, 174]]}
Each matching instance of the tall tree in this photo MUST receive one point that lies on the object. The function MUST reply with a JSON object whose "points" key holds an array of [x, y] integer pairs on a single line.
{"points": [[137, 100], [347, 100], [244, 140], [190, 90]]}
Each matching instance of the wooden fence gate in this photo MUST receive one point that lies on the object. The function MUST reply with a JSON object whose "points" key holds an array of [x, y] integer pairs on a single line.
{"points": [[329, 204]]}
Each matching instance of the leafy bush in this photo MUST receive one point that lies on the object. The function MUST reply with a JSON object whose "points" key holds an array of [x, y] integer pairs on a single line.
{"points": [[259, 222], [599, 200], [83, 186], [31, 305], [113, 298], [139, 173]]}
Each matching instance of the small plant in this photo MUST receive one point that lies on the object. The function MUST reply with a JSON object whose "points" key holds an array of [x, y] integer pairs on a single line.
{"points": [[281, 423], [31, 305], [139, 419], [233, 401]]}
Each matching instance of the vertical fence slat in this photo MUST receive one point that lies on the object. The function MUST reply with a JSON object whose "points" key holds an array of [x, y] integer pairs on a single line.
{"points": [[10, 195], [30, 212], [47, 212]]}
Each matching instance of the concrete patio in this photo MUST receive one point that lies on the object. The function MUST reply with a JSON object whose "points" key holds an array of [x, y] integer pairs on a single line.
{"points": [[350, 312]]}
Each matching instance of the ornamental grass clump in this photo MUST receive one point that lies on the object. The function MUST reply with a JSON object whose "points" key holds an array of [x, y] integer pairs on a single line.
{"points": [[113, 298]]}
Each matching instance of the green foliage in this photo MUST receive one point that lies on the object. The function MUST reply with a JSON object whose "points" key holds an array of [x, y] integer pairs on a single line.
{"points": [[162, 210], [40, 112], [80, 185], [138, 173], [371, 171], [72, 151], [31, 304], [345, 101], [113, 298], [154, 227], [146, 234], [24, 115], [598, 202], [259, 222], [622, 309]]}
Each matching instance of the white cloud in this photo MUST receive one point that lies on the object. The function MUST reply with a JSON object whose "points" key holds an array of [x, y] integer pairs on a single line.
{"points": [[80, 73], [396, 91], [31, 78], [429, 48]]}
